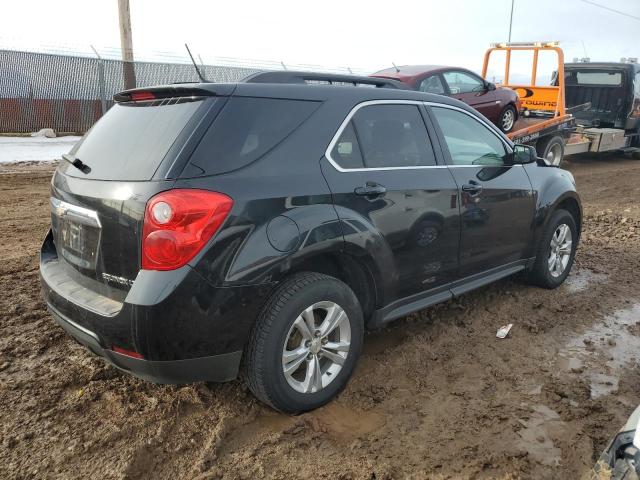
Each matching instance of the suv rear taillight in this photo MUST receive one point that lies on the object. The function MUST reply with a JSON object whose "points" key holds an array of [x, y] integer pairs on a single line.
{"points": [[178, 223]]}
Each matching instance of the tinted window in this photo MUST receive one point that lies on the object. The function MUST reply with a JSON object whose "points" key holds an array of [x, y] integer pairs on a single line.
{"points": [[392, 136], [460, 82], [246, 129], [595, 78], [432, 84], [130, 141], [469, 141], [638, 84], [347, 151]]}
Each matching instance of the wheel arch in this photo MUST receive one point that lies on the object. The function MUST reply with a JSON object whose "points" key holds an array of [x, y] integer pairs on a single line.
{"points": [[569, 201], [357, 272]]}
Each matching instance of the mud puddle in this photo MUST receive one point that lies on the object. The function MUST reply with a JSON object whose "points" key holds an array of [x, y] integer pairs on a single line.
{"points": [[616, 339], [581, 278], [536, 436]]}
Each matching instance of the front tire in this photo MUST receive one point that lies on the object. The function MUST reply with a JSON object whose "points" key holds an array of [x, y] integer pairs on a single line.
{"points": [[556, 251], [305, 344], [507, 118]]}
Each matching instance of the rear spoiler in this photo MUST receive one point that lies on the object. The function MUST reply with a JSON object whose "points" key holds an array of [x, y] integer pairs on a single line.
{"points": [[322, 78], [167, 91]]}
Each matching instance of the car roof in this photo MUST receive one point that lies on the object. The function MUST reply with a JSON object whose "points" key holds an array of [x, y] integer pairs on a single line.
{"points": [[411, 71], [296, 91], [343, 96]]}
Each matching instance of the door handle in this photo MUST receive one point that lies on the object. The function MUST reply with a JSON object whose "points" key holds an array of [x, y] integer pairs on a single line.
{"points": [[370, 189], [472, 188]]}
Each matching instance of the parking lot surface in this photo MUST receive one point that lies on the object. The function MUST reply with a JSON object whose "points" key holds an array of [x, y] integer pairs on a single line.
{"points": [[435, 395]]}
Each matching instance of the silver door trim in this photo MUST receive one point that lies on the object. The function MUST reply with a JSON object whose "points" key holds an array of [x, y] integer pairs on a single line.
{"points": [[355, 109], [346, 121]]}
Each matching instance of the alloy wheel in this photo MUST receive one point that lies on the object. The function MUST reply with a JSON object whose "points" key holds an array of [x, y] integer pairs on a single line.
{"points": [[560, 250], [554, 154], [316, 347], [508, 117]]}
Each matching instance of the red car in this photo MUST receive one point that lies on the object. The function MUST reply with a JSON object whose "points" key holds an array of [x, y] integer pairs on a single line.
{"points": [[500, 105]]}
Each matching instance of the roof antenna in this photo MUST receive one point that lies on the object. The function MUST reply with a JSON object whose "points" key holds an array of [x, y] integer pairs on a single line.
{"points": [[394, 66], [195, 65]]}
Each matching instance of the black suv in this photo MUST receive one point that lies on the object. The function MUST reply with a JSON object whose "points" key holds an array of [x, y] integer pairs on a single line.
{"points": [[201, 230]]}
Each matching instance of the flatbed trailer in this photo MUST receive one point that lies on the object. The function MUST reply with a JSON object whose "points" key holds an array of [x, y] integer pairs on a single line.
{"points": [[546, 123]]}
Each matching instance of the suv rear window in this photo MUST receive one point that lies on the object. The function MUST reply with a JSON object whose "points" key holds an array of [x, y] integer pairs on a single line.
{"points": [[131, 140], [600, 77], [246, 129]]}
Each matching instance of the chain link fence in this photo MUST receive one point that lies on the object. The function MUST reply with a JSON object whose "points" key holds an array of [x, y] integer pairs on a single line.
{"points": [[69, 93]]}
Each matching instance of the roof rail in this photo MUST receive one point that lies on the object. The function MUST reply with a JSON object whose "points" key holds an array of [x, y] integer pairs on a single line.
{"points": [[322, 78]]}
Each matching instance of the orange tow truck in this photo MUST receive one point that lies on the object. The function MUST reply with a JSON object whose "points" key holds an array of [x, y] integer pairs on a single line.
{"points": [[545, 122]]}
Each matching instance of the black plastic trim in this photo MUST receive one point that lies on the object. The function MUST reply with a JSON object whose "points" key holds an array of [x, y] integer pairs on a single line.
{"points": [[216, 368], [405, 306]]}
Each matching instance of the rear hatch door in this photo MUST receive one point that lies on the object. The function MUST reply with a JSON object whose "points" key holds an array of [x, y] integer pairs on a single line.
{"points": [[134, 152]]}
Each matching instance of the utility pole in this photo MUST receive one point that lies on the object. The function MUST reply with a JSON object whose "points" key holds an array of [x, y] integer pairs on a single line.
{"points": [[511, 19], [126, 43]]}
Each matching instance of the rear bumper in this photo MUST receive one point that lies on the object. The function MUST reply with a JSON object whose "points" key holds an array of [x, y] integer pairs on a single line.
{"points": [[185, 329], [216, 368]]}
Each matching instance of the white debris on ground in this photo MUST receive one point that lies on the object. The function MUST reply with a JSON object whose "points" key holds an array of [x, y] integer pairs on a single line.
{"points": [[45, 132], [24, 149]]}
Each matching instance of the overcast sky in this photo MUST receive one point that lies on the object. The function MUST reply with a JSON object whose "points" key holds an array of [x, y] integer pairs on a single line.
{"points": [[365, 36]]}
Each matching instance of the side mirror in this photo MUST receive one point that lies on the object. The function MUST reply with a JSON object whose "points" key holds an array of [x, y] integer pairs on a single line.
{"points": [[490, 86], [523, 154]]}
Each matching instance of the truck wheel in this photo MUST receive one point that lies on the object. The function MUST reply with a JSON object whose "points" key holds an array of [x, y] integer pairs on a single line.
{"points": [[305, 344], [551, 149], [556, 251], [507, 119]]}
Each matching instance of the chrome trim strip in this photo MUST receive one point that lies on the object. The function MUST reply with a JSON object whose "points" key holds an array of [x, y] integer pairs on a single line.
{"points": [[79, 214], [346, 121]]}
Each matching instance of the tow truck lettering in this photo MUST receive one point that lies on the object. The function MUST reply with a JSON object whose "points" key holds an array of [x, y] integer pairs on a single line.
{"points": [[539, 103]]}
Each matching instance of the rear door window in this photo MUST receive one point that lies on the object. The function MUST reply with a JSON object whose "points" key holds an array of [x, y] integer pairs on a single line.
{"points": [[346, 151], [130, 141], [246, 129], [432, 84], [392, 135]]}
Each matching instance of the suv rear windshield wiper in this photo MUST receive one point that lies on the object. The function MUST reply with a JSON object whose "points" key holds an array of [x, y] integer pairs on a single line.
{"points": [[76, 162]]}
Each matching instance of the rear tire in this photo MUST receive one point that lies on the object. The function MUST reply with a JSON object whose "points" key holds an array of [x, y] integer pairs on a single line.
{"points": [[507, 118], [288, 344], [554, 259], [551, 149]]}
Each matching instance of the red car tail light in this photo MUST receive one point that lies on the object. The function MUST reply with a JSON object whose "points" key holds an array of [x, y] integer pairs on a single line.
{"points": [[178, 223], [141, 96]]}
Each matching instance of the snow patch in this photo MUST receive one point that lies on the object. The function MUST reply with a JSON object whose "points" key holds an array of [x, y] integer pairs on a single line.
{"points": [[23, 149]]}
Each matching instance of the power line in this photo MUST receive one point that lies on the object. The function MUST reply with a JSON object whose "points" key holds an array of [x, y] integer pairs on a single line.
{"points": [[611, 9]]}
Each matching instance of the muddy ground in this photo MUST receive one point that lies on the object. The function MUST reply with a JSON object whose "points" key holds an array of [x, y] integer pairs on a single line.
{"points": [[435, 395]]}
